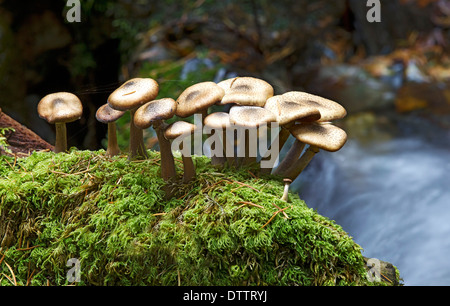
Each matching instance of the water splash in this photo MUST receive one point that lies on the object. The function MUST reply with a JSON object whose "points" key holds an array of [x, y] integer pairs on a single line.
{"points": [[393, 198]]}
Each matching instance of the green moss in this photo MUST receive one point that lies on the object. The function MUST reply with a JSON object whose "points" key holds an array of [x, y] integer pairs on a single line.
{"points": [[112, 215]]}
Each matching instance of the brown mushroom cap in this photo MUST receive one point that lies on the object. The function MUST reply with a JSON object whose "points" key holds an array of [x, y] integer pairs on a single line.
{"points": [[325, 136], [197, 98], [251, 116], [155, 110], [133, 93], [106, 114], [245, 91], [217, 120], [60, 107], [178, 129], [288, 111], [329, 110]]}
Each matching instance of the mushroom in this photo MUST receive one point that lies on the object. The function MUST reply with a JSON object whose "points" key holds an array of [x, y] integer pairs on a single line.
{"points": [[182, 129], [130, 96], [154, 113], [287, 182], [220, 122], [329, 110], [325, 136], [106, 114], [196, 99], [247, 118], [288, 113], [245, 91], [60, 108]]}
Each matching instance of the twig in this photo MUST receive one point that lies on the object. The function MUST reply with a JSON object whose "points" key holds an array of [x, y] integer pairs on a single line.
{"points": [[248, 203], [159, 214], [243, 184], [12, 273], [274, 214], [26, 249], [30, 277], [76, 173], [254, 176], [387, 278], [284, 213]]}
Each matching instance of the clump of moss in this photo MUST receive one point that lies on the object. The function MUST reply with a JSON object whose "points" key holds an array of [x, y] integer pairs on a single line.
{"points": [[224, 228]]}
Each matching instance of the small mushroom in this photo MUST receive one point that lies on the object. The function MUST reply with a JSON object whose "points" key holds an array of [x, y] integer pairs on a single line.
{"points": [[181, 129], [247, 91], [60, 108], [287, 183], [288, 113], [219, 122], [250, 117], [325, 136], [105, 114], [129, 97], [196, 99], [329, 110], [154, 113]]}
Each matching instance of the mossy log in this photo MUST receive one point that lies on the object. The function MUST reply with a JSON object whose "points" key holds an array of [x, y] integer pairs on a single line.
{"points": [[227, 227]]}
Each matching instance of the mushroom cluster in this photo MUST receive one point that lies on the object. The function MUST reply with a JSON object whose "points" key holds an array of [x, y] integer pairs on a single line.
{"points": [[252, 110]]}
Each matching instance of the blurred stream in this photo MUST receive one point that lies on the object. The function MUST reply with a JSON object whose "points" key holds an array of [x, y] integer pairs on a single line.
{"points": [[392, 197]]}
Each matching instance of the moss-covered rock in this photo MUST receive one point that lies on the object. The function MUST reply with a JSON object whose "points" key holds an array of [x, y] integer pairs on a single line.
{"points": [[227, 227]]}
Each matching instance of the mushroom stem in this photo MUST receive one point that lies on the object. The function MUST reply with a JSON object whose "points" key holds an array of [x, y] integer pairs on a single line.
{"points": [[113, 146], [168, 170], [268, 170], [137, 146], [218, 160], [61, 137], [248, 159], [294, 171], [291, 157], [285, 196], [283, 136], [227, 144], [189, 168]]}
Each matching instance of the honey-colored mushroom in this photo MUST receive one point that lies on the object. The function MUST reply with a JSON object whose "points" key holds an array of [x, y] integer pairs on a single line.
{"points": [[60, 108], [129, 97]]}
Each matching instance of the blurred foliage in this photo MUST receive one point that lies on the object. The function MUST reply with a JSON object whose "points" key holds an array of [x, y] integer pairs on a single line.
{"points": [[281, 42]]}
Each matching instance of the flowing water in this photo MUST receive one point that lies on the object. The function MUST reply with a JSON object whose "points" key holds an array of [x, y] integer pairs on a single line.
{"points": [[392, 197]]}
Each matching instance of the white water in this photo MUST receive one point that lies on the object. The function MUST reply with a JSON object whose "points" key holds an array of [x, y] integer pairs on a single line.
{"points": [[393, 198]]}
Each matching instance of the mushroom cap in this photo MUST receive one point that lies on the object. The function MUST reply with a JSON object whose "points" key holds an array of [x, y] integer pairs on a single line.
{"points": [[60, 107], [133, 93], [325, 136], [288, 111], [198, 97], [251, 116], [217, 120], [155, 110], [329, 110], [245, 91], [287, 180], [106, 114], [179, 128]]}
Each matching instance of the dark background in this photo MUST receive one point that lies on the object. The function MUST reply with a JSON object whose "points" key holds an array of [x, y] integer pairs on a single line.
{"points": [[324, 47]]}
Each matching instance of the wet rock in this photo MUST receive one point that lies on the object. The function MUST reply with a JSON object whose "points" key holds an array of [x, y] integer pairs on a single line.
{"points": [[353, 87], [435, 97]]}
